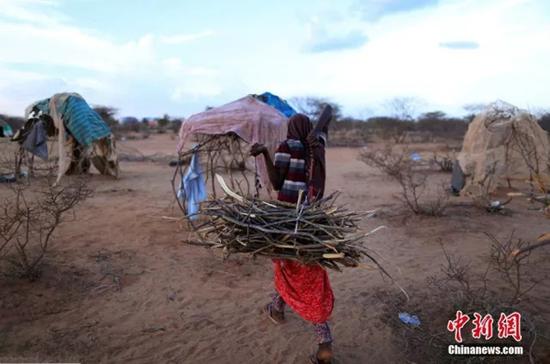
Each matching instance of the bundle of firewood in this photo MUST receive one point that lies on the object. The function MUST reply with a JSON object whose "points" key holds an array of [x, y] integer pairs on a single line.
{"points": [[315, 233]]}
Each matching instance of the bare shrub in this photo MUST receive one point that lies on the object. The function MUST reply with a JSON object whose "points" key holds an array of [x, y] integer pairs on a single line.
{"points": [[525, 146], [481, 195], [29, 216], [501, 284], [444, 162], [8, 159], [411, 178], [510, 258], [505, 281]]}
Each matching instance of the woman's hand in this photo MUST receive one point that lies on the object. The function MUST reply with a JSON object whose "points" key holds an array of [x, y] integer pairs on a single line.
{"points": [[257, 149], [313, 140]]}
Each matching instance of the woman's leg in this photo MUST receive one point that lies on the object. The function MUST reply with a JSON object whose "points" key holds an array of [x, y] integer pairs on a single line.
{"points": [[276, 309], [278, 304], [324, 338], [322, 331]]}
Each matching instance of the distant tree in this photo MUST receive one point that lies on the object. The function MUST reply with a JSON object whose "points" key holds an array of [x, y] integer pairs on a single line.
{"points": [[438, 124], [175, 125], [129, 120], [391, 128], [15, 122], [208, 107], [107, 113], [130, 123], [164, 121], [403, 108], [433, 115], [313, 106]]}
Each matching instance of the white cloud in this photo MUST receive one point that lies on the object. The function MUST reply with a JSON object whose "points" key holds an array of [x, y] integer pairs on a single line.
{"points": [[184, 38], [376, 9], [403, 58], [43, 52], [19, 10], [61, 57]]}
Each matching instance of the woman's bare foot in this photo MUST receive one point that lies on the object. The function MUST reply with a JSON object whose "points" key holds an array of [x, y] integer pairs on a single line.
{"points": [[277, 317], [324, 354]]}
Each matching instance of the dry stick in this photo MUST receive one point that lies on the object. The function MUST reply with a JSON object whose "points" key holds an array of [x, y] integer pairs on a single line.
{"points": [[541, 241], [284, 231], [281, 228]]}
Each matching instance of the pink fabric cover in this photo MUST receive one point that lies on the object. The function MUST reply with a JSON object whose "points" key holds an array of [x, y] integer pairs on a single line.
{"points": [[249, 118]]}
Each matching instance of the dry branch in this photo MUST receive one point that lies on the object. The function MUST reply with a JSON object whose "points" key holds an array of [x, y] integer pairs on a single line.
{"points": [[29, 217], [317, 233]]}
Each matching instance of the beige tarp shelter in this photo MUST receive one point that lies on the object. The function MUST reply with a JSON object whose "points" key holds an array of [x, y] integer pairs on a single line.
{"points": [[251, 119], [502, 147]]}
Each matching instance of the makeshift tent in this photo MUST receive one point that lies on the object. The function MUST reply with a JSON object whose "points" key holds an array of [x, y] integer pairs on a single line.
{"points": [[220, 131], [502, 145], [82, 136]]}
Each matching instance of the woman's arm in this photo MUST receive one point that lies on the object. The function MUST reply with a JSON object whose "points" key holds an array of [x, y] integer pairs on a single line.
{"points": [[276, 177]]}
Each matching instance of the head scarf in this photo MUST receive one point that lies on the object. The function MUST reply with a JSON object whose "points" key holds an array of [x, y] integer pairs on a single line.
{"points": [[299, 127]]}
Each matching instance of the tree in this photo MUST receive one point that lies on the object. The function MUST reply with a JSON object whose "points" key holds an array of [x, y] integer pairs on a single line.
{"points": [[129, 120], [403, 108], [107, 113], [433, 115], [164, 121], [14, 122], [313, 106], [391, 128], [438, 124]]}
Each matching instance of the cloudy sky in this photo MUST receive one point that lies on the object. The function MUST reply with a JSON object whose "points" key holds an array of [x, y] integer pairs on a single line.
{"points": [[176, 56]]}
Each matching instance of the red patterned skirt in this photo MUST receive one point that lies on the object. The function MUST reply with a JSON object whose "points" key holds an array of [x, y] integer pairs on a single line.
{"points": [[305, 288]]}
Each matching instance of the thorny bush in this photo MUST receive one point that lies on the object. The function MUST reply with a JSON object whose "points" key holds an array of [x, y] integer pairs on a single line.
{"points": [[29, 216], [411, 178]]}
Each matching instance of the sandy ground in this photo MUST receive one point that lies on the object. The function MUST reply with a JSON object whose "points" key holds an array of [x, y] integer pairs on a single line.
{"points": [[121, 286]]}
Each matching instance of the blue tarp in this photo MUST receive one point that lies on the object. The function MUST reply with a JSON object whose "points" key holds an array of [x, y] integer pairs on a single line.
{"points": [[277, 103], [82, 121]]}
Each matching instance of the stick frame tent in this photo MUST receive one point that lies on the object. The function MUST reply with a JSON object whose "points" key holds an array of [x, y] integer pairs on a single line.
{"points": [[212, 149], [221, 136]]}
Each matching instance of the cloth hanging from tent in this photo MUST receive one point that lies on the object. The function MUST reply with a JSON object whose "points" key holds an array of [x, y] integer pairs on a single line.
{"points": [[36, 141], [193, 187]]}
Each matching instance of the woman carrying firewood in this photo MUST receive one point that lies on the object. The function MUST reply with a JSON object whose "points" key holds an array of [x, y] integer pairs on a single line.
{"points": [[299, 165]]}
